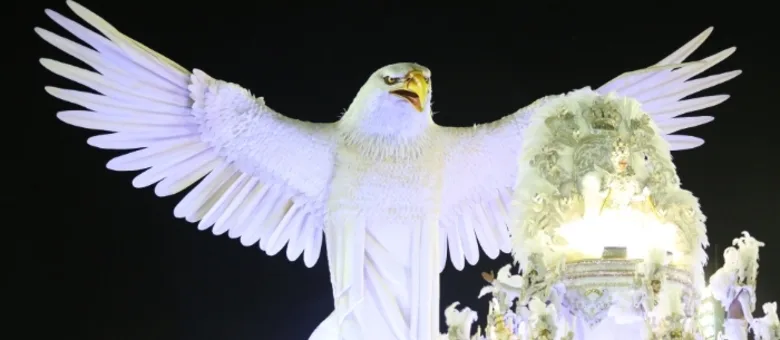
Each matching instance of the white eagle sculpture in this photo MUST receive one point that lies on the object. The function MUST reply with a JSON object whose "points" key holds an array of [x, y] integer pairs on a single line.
{"points": [[391, 192]]}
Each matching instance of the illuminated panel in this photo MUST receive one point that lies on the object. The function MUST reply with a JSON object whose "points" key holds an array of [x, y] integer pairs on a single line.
{"points": [[708, 318]]}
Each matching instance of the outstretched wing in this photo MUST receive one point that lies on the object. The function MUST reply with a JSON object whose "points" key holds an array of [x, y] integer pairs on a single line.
{"points": [[481, 162], [479, 175], [263, 174], [662, 87]]}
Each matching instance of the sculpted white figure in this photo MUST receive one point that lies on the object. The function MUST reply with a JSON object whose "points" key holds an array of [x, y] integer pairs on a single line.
{"points": [[767, 327], [391, 192], [620, 190], [459, 322]]}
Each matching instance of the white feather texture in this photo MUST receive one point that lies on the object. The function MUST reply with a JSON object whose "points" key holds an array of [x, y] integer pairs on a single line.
{"points": [[662, 87], [565, 154], [390, 191]]}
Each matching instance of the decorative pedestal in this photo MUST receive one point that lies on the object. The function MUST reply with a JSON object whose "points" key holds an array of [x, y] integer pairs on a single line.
{"points": [[605, 297]]}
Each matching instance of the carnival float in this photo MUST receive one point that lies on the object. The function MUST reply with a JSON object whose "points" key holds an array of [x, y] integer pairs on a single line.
{"points": [[606, 243]]}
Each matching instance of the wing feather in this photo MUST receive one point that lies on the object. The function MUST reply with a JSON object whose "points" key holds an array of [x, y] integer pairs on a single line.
{"points": [[479, 175], [261, 175], [469, 239], [485, 235], [662, 87]]}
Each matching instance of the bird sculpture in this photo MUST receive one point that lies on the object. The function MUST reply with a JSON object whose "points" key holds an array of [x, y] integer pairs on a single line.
{"points": [[391, 192]]}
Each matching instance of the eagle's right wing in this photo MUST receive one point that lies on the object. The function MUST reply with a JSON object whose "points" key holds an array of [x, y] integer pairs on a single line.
{"points": [[481, 163], [264, 175]]}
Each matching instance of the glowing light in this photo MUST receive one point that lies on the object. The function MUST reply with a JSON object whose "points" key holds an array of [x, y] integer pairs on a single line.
{"points": [[633, 229], [708, 321]]}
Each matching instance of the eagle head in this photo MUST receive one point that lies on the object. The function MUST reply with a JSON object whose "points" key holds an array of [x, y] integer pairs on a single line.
{"points": [[395, 101]]}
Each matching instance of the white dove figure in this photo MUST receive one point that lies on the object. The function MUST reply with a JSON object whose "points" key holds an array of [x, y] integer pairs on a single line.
{"points": [[389, 189]]}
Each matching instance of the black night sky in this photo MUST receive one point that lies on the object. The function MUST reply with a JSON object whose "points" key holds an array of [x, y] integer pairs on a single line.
{"points": [[94, 258]]}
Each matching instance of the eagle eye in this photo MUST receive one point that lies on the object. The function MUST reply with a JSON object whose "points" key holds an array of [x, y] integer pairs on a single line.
{"points": [[391, 80]]}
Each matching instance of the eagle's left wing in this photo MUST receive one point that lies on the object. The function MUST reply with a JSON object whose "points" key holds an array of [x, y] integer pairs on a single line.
{"points": [[479, 176], [661, 89], [481, 162]]}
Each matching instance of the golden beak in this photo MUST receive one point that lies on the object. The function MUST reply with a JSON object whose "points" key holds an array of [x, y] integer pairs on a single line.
{"points": [[415, 89]]}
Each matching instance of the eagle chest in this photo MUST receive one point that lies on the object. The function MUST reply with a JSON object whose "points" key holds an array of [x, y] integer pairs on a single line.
{"points": [[388, 187]]}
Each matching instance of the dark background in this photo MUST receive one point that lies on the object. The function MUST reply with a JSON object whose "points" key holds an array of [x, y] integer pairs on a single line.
{"points": [[94, 258]]}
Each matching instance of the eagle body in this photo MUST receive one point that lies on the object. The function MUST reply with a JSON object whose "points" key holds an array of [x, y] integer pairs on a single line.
{"points": [[383, 208], [392, 194], [388, 206]]}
